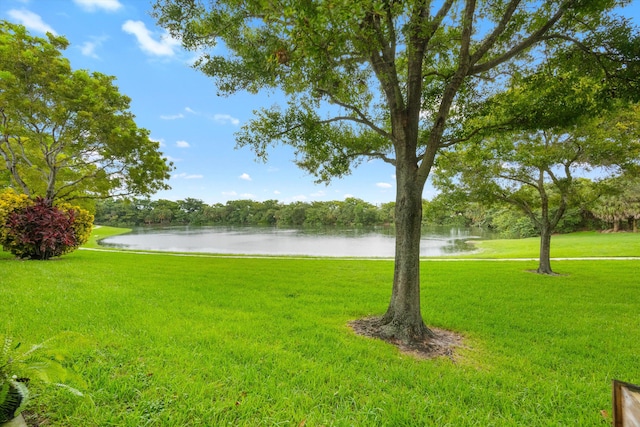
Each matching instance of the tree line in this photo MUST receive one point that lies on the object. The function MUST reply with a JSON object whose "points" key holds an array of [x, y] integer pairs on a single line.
{"points": [[190, 211], [609, 205], [612, 204]]}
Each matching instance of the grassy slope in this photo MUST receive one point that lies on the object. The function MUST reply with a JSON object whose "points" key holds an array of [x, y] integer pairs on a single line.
{"points": [[180, 341]]}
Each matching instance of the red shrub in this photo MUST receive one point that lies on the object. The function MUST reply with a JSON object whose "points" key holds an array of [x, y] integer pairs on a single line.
{"points": [[40, 231]]}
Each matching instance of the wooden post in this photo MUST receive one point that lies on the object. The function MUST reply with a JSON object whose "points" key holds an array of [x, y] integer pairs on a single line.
{"points": [[626, 404]]}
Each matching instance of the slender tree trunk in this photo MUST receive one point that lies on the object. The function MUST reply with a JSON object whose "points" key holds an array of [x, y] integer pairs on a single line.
{"points": [[544, 266], [546, 226], [403, 319]]}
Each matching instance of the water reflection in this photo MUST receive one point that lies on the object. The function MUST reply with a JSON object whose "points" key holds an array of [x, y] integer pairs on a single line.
{"points": [[336, 242]]}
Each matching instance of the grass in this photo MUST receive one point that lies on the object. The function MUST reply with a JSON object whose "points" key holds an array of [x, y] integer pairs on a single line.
{"points": [[574, 245], [188, 341], [102, 232]]}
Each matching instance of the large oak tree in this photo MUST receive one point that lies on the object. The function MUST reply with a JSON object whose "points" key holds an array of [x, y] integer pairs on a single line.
{"points": [[65, 134], [392, 80]]}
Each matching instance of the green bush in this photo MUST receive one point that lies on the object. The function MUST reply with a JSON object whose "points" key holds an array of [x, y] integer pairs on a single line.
{"points": [[38, 229], [82, 224], [513, 225]]}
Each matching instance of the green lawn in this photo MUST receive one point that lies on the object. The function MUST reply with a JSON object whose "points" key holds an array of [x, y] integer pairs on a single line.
{"points": [[187, 341], [574, 245]]}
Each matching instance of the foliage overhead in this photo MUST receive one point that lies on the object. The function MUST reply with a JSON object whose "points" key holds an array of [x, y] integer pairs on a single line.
{"points": [[68, 134], [355, 72], [514, 167]]}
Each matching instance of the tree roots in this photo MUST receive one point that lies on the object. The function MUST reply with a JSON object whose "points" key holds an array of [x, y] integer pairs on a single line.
{"points": [[439, 343]]}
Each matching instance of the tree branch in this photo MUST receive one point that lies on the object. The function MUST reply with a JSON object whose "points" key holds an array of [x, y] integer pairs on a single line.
{"points": [[491, 39], [526, 43], [362, 118], [522, 205], [450, 91], [517, 179]]}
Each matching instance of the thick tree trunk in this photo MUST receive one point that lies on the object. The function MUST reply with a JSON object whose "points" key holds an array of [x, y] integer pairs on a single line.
{"points": [[403, 319], [544, 267]]}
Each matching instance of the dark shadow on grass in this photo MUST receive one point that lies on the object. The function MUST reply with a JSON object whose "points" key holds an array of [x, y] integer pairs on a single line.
{"points": [[552, 274], [443, 343]]}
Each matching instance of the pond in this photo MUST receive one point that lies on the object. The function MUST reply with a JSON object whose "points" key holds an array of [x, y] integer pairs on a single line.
{"points": [[325, 242]]}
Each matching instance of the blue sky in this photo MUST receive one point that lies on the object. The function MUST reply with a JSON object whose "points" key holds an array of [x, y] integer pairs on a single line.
{"points": [[180, 106]]}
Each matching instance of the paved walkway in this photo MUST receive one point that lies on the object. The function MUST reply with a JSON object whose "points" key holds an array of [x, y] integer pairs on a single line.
{"points": [[201, 255]]}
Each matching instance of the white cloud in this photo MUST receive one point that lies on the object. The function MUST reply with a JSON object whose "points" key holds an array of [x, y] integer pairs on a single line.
{"points": [[318, 193], [299, 198], [31, 20], [384, 185], [245, 176], [224, 119], [187, 176], [172, 116], [93, 5], [182, 144], [164, 47], [88, 48], [347, 195], [189, 110], [229, 193], [173, 159], [248, 196], [276, 192]]}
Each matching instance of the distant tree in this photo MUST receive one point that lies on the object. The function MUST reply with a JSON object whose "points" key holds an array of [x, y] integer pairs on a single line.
{"points": [[535, 171], [67, 134], [191, 211], [165, 211], [214, 214], [620, 203], [396, 81], [266, 212], [191, 205], [239, 212], [322, 214], [446, 208], [293, 214], [354, 211]]}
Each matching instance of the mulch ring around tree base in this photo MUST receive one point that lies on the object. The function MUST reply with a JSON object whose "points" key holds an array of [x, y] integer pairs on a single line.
{"points": [[443, 344]]}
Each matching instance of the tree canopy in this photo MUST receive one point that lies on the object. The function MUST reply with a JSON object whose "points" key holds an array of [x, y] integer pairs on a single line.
{"points": [[397, 81], [68, 134], [536, 172]]}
